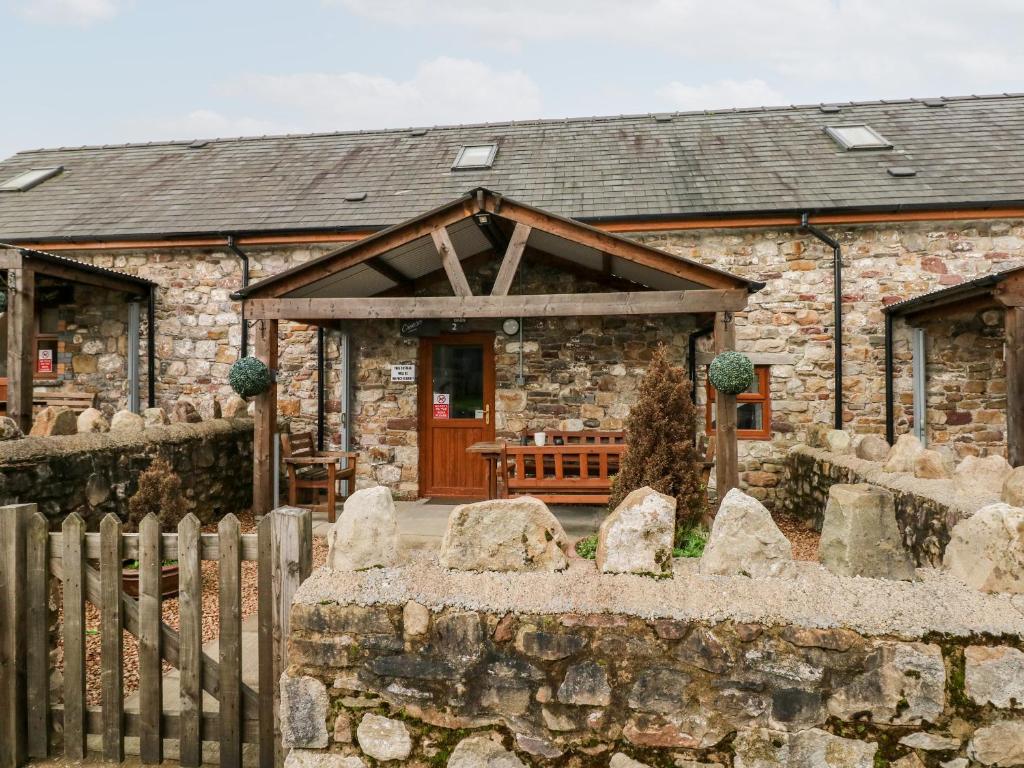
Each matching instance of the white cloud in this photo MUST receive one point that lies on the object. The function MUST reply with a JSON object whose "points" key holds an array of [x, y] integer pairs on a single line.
{"points": [[721, 94], [77, 12], [206, 123]]}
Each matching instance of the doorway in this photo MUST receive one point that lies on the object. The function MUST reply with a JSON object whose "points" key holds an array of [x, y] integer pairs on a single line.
{"points": [[456, 407]]}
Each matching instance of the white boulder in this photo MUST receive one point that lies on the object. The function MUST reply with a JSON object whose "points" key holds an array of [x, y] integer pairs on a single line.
{"points": [[126, 421], [860, 536], [366, 533], [930, 465], [92, 420], [976, 476], [745, 541], [872, 448], [839, 442], [638, 536], [986, 550], [903, 454]]}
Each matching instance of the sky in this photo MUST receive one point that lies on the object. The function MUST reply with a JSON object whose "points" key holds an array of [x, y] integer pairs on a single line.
{"points": [[80, 72]]}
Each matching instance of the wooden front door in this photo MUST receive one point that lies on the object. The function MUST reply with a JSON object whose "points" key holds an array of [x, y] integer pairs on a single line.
{"points": [[456, 405]]}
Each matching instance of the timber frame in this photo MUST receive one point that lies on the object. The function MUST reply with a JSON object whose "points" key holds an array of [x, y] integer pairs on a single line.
{"points": [[313, 292]]}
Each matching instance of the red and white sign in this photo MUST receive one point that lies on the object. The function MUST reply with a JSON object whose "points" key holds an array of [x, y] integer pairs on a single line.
{"points": [[45, 364], [442, 405]]}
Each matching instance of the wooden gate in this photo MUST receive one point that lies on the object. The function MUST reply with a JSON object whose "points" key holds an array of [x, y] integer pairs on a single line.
{"points": [[89, 569]]}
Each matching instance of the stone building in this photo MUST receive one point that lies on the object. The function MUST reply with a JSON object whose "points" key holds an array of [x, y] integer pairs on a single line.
{"points": [[913, 196]]}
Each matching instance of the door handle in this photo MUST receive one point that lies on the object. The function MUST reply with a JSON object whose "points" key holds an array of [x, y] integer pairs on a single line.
{"points": [[487, 413]]}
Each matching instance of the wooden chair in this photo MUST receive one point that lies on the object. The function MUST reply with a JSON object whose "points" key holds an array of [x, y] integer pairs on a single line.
{"points": [[310, 469]]}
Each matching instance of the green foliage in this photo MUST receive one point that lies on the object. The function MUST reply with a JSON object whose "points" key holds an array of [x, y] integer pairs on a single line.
{"points": [[159, 493], [731, 373], [587, 547], [249, 376], [690, 543], [661, 431]]}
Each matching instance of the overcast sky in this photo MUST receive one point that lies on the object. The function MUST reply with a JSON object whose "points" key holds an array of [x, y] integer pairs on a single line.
{"points": [[109, 71]]}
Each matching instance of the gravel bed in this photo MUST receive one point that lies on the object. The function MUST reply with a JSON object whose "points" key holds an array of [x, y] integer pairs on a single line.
{"points": [[804, 539]]}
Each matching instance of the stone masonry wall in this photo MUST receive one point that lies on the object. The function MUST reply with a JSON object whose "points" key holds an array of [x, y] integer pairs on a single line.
{"points": [[93, 474]]}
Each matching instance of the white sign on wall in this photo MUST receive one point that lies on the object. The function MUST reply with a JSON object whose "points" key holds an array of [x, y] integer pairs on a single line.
{"points": [[403, 373]]}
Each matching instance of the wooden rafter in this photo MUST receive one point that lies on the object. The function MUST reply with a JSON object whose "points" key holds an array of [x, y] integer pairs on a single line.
{"points": [[450, 262], [599, 276], [384, 269], [510, 262]]}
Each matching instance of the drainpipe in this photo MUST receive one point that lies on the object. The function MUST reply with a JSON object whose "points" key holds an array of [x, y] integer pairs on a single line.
{"points": [[151, 346], [320, 389], [244, 258], [837, 300], [890, 403], [692, 358]]}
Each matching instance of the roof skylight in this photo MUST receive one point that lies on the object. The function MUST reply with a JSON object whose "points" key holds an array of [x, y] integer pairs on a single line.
{"points": [[475, 156], [857, 137], [28, 179]]}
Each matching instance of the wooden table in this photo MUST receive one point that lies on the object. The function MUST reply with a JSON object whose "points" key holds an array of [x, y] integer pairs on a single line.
{"points": [[490, 451]]}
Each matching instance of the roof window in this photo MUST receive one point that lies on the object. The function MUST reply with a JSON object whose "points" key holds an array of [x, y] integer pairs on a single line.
{"points": [[857, 137], [28, 179], [475, 156]]}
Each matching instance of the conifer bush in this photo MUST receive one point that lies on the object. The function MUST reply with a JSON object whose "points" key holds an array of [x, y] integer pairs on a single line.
{"points": [[159, 492], [661, 430]]}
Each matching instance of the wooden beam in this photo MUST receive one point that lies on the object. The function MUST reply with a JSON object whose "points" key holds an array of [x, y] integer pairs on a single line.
{"points": [[510, 263], [426, 281], [71, 274], [452, 307], [264, 430], [727, 475], [450, 262], [599, 276], [384, 269], [1014, 324], [21, 307], [944, 311]]}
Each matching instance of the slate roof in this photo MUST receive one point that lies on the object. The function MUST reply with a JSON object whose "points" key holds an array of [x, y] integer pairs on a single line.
{"points": [[968, 152]]}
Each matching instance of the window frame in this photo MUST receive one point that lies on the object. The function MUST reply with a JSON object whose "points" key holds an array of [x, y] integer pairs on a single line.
{"points": [[835, 132], [763, 397], [45, 337], [457, 165]]}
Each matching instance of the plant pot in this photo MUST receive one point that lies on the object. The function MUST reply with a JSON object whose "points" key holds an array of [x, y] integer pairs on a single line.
{"points": [[168, 581]]}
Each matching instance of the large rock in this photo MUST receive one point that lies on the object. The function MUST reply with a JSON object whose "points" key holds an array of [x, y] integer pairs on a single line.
{"points": [[366, 533], [126, 421], [1000, 744], [54, 420], [638, 536], [155, 417], [860, 536], [981, 476], [745, 541], [994, 675], [92, 420], [504, 535], [383, 738], [482, 752], [1013, 487], [815, 748], [872, 448], [903, 454], [839, 442], [303, 712], [902, 683], [185, 412], [235, 408], [930, 465], [986, 550], [9, 429]]}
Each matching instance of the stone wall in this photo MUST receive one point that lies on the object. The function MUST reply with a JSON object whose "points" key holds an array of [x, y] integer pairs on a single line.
{"points": [[93, 474], [427, 666]]}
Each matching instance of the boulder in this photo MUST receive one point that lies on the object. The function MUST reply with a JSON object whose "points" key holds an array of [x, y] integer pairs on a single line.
{"points": [[976, 476], [383, 738], [930, 465], [155, 417], [872, 448], [860, 536], [815, 748], [92, 420], [1000, 744], [9, 429], [839, 442], [504, 535], [126, 421], [366, 533], [54, 420], [903, 683], [745, 541], [994, 675], [986, 550], [482, 752], [1013, 487], [303, 712], [638, 536], [235, 408], [185, 412], [902, 455]]}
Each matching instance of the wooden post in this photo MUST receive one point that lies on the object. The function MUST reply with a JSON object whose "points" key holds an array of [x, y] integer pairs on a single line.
{"points": [[73, 588], [112, 674], [37, 635], [13, 701], [151, 745], [727, 474], [264, 432], [1014, 324], [190, 609], [21, 307]]}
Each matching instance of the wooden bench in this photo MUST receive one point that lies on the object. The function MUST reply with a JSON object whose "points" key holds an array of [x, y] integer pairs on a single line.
{"points": [[76, 401], [579, 471], [310, 469]]}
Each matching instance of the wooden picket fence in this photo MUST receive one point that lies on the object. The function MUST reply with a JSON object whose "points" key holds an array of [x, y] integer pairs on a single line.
{"points": [[89, 568]]}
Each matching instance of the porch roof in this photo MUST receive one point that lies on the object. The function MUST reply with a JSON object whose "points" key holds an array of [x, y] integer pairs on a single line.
{"points": [[478, 223], [997, 289], [66, 269]]}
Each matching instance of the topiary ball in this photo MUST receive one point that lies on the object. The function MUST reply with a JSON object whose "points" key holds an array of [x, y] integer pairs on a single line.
{"points": [[250, 376], [731, 373]]}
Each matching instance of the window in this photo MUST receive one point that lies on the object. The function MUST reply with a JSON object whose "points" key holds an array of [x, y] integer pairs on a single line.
{"points": [[753, 407], [47, 342], [857, 137], [29, 179], [476, 156]]}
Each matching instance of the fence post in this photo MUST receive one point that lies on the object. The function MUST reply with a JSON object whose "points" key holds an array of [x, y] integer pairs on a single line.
{"points": [[13, 737]]}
